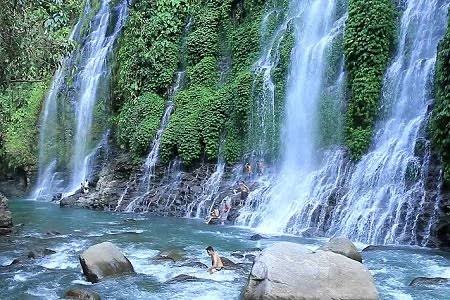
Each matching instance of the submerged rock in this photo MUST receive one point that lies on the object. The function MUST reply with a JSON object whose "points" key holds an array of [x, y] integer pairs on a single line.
{"points": [[237, 255], [81, 294], [250, 257], [183, 278], [174, 255], [420, 281], [343, 246], [38, 253], [229, 264], [103, 260], [195, 264], [291, 271], [257, 237], [383, 248], [5, 217]]}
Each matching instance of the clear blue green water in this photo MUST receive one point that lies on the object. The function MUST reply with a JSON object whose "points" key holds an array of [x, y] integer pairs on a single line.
{"points": [[141, 237]]}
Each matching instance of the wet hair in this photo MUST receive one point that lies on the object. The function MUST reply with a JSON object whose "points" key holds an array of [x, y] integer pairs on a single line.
{"points": [[209, 248]]}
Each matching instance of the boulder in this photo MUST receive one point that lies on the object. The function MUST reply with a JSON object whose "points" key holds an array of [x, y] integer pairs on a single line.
{"points": [[343, 246], [5, 217], [81, 294], [103, 260], [257, 237], [290, 271], [420, 281]]}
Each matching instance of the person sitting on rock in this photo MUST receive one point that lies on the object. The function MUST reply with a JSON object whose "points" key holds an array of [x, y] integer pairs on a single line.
{"points": [[244, 190], [216, 261], [214, 216], [85, 186], [260, 167], [248, 170]]}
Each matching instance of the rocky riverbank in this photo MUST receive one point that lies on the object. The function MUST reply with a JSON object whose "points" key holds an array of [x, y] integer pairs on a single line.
{"points": [[5, 216]]}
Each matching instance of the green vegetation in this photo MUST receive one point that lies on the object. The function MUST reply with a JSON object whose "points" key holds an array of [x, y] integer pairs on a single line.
{"points": [[368, 44], [217, 51], [440, 119], [33, 39]]}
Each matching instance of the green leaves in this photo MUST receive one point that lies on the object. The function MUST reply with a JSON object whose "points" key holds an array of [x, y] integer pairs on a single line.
{"points": [[368, 44], [440, 118]]}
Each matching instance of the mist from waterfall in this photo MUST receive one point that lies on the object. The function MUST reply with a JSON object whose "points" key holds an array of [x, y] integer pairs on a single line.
{"points": [[77, 97]]}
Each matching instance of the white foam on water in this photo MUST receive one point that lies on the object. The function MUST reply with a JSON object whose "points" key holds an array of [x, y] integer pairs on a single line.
{"points": [[82, 282], [65, 256], [436, 270], [43, 292], [20, 277]]}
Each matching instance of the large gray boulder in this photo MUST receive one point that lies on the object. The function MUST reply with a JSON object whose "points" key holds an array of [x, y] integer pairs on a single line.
{"points": [[103, 260], [5, 216], [343, 246], [291, 271]]}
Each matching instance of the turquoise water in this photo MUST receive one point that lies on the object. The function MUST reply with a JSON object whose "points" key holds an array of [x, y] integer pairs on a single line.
{"points": [[141, 237]]}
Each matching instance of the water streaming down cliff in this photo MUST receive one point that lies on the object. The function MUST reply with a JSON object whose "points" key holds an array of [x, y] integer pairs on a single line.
{"points": [[144, 181], [263, 129], [278, 199], [387, 199], [76, 104]]}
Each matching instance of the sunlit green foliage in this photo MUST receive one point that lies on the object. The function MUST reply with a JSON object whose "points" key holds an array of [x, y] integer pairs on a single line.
{"points": [[368, 43], [33, 39], [440, 119], [19, 112]]}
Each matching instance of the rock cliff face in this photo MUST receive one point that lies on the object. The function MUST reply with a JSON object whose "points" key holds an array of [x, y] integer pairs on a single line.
{"points": [[5, 217]]}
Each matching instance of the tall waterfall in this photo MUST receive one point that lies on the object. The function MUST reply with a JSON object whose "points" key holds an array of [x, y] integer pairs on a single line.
{"points": [[79, 93], [316, 27], [387, 200], [383, 198]]}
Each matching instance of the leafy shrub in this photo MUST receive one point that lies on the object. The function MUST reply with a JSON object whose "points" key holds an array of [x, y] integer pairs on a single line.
{"points": [[368, 43]]}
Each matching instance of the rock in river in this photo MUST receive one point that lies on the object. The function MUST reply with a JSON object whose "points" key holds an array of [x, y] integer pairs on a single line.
{"points": [[343, 246], [420, 281], [5, 216], [103, 260], [291, 271], [81, 294]]}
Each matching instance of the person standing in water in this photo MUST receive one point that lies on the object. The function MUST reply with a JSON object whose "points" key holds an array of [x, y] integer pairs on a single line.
{"points": [[216, 262]]}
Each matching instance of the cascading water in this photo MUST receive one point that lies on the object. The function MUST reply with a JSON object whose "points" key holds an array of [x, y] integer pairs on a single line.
{"points": [[387, 200], [90, 65], [316, 28], [263, 121]]}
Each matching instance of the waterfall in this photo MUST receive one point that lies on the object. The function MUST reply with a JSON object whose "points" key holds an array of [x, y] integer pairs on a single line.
{"points": [[276, 201], [80, 86], [387, 200], [144, 182], [263, 118]]}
